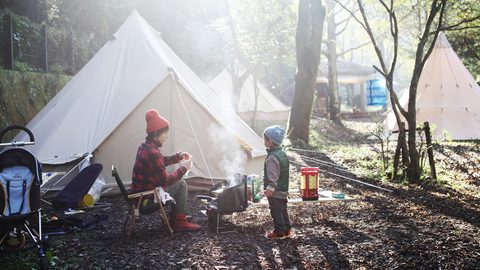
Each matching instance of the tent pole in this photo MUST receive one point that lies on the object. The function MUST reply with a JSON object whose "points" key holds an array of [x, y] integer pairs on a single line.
{"points": [[174, 76]]}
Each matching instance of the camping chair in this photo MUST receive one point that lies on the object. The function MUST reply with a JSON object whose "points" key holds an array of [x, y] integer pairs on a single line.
{"points": [[134, 201], [72, 194], [20, 181]]}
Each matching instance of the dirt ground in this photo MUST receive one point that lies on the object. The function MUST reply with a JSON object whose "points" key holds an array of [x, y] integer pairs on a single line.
{"points": [[412, 227]]}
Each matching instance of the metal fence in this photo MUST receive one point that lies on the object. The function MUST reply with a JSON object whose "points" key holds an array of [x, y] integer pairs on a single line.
{"points": [[28, 46]]}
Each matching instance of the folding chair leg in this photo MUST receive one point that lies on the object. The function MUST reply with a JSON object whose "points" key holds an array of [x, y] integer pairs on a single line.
{"points": [[127, 217], [130, 226], [163, 213], [165, 218], [129, 223]]}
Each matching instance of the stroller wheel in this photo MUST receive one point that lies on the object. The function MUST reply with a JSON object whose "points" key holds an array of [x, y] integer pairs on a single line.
{"points": [[14, 241]]}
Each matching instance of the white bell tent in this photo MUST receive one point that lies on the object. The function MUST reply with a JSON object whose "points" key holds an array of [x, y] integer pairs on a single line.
{"points": [[447, 96], [101, 111], [268, 107]]}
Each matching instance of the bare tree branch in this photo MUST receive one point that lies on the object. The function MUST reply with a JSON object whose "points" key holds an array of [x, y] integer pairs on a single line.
{"points": [[380, 71], [454, 26], [346, 22], [460, 28], [371, 35], [354, 48], [351, 13]]}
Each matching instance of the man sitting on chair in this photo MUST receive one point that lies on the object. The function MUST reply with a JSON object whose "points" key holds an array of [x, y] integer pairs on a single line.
{"points": [[149, 172]]}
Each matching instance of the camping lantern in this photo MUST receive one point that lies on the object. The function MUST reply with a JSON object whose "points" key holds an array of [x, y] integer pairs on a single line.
{"points": [[309, 183]]}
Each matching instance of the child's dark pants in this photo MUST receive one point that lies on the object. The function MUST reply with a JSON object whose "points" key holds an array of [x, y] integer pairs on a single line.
{"points": [[279, 213]]}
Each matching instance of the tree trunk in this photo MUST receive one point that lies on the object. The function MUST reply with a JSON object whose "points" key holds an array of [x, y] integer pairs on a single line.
{"points": [[434, 19], [311, 16], [413, 170], [235, 69], [255, 107], [237, 82], [8, 60], [437, 10], [334, 103]]}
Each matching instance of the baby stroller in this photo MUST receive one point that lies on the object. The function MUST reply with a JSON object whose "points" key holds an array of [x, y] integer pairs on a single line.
{"points": [[20, 180]]}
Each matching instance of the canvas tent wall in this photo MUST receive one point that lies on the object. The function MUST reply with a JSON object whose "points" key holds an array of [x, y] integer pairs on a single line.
{"points": [[268, 107], [447, 96], [102, 111]]}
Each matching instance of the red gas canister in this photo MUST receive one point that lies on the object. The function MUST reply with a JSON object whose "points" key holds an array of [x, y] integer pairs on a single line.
{"points": [[309, 183]]}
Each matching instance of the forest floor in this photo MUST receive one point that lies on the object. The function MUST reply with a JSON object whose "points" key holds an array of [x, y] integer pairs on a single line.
{"points": [[434, 225]]}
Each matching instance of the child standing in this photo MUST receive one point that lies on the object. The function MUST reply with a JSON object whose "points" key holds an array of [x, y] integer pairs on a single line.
{"points": [[275, 182]]}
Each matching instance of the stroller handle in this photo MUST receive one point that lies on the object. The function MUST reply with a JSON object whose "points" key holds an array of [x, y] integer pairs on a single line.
{"points": [[15, 143]]}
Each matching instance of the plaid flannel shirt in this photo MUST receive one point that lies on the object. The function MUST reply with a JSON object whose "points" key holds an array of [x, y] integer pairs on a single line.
{"points": [[149, 170]]}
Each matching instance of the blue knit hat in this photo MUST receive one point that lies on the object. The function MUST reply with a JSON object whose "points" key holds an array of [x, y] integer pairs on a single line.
{"points": [[275, 133]]}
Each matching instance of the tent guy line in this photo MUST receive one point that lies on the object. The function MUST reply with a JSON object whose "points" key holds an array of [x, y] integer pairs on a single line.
{"points": [[313, 151], [347, 178], [175, 81]]}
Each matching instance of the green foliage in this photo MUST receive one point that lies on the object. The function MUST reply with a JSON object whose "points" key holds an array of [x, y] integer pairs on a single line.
{"points": [[52, 259], [365, 159], [23, 67], [25, 259], [28, 259], [358, 158], [24, 94], [265, 43], [465, 41], [75, 31], [199, 31]]}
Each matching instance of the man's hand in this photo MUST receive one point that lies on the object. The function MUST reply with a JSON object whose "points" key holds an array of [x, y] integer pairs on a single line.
{"points": [[268, 193], [185, 163], [185, 155]]}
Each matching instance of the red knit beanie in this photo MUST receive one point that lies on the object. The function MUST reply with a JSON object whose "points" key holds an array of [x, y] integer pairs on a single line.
{"points": [[155, 121]]}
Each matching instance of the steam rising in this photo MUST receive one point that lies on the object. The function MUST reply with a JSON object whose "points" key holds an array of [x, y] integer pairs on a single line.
{"points": [[233, 157]]}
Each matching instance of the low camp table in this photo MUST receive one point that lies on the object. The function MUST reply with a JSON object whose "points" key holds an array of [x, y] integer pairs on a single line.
{"points": [[323, 196]]}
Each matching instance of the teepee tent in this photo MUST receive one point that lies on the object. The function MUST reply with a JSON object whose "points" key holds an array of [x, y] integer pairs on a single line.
{"points": [[102, 111], [268, 107], [447, 96]]}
